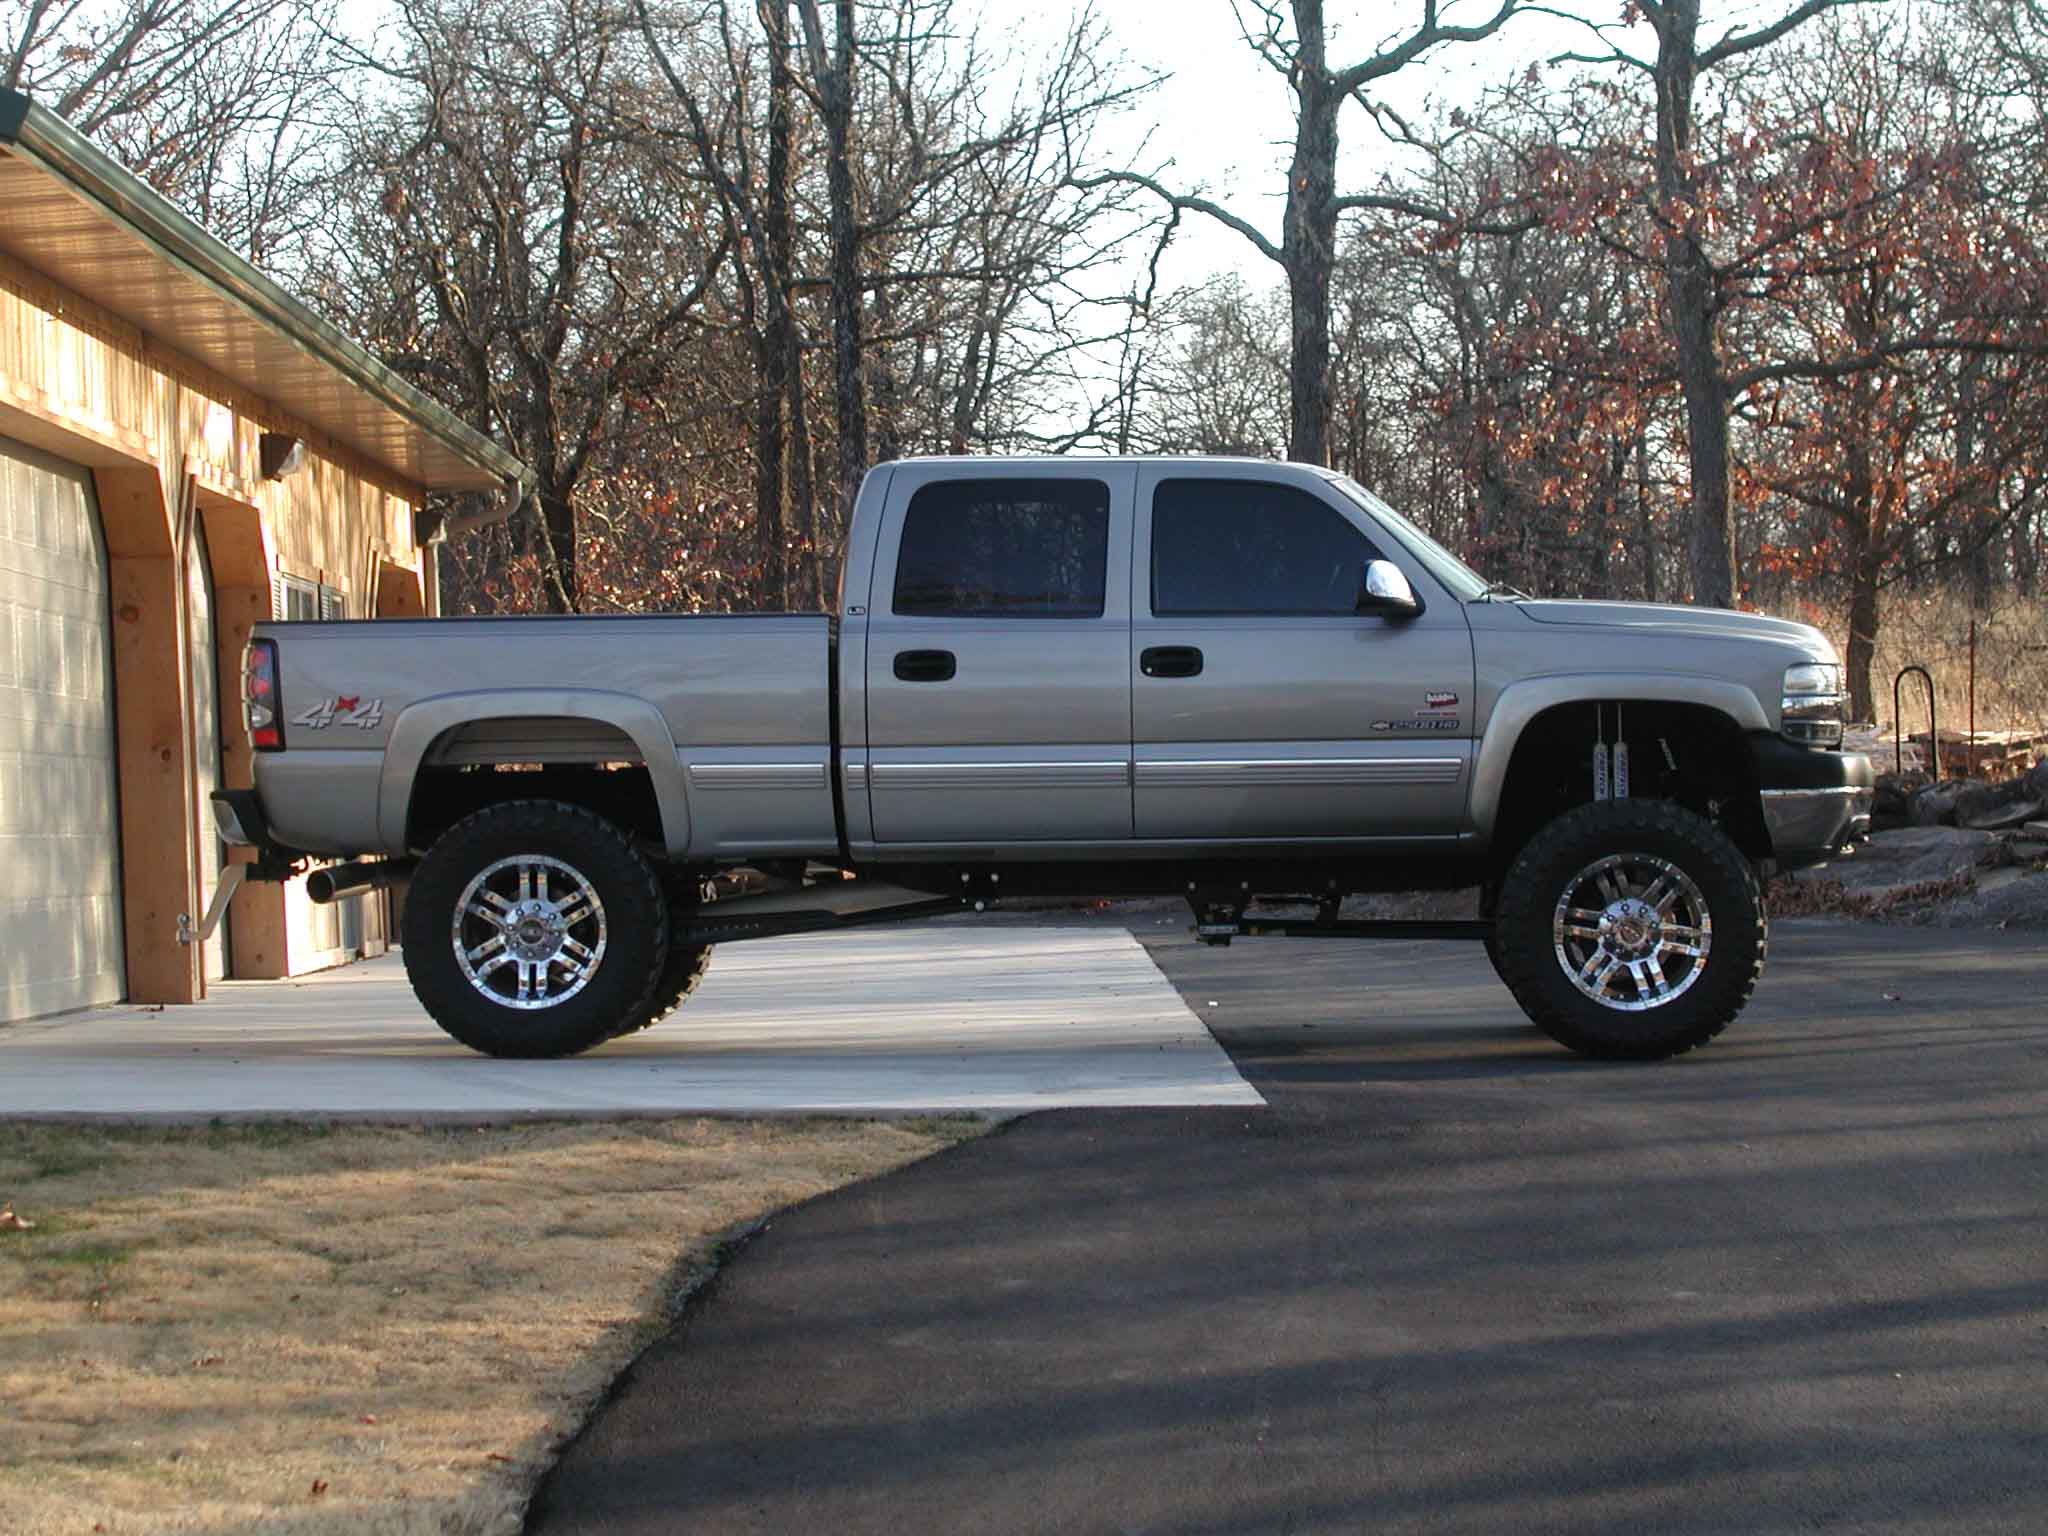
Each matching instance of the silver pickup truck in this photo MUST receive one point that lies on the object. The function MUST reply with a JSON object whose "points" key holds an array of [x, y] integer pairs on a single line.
{"points": [[1252, 685]]}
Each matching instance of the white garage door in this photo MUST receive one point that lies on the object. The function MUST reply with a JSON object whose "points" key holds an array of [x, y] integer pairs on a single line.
{"points": [[60, 904]]}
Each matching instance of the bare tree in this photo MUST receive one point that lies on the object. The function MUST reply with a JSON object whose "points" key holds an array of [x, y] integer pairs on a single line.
{"points": [[832, 83], [1219, 384], [1307, 248], [754, 190], [224, 106], [511, 247], [1694, 287]]}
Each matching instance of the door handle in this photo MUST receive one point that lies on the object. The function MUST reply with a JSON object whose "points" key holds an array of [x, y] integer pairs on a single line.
{"points": [[1170, 661], [925, 666]]}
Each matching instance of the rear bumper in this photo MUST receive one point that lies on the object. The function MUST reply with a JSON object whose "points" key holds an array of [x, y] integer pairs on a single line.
{"points": [[1813, 801], [238, 817]]}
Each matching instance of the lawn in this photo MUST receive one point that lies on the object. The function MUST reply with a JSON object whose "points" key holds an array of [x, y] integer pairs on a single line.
{"points": [[313, 1328]]}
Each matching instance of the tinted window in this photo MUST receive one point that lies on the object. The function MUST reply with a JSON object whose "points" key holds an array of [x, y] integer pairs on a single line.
{"points": [[1005, 549], [1241, 546]]}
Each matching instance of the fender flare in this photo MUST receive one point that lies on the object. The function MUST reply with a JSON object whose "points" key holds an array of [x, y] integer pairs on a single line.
{"points": [[422, 723], [1519, 703]]}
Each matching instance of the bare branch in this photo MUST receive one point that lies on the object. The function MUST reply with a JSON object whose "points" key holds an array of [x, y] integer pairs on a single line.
{"points": [[1180, 202], [1745, 42]]}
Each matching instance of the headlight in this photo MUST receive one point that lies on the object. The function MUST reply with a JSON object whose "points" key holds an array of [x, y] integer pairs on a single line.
{"points": [[1811, 712]]}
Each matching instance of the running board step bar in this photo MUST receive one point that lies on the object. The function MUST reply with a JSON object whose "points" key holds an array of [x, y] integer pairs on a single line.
{"points": [[1309, 928], [812, 909]]}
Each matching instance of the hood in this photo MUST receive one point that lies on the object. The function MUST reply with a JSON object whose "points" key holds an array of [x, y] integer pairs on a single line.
{"points": [[1672, 619]]}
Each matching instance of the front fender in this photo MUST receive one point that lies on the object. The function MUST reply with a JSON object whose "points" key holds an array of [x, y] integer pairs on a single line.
{"points": [[1521, 702], [419, 725]]}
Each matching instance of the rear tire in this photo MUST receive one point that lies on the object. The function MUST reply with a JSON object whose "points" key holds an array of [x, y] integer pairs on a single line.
{"points": [[534, 929], [1631, 930], [687, 963]]}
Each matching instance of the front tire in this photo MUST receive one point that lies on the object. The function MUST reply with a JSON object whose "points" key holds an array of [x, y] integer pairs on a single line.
{"points": [[1631, 930], [535, 928]]}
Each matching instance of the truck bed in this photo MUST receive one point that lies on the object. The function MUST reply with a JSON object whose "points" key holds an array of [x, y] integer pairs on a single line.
{"points": [[731, 715]]}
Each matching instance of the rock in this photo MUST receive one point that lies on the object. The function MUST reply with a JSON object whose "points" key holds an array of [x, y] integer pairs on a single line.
{"points": [[2012, 898], [2036, 780], [1934, 806], [2000, 818], [1911, 856], [1983, 805], [1891, 804]]}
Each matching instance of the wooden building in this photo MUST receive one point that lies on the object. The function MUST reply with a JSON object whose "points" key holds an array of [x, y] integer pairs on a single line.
{"points": [[185, 450]]}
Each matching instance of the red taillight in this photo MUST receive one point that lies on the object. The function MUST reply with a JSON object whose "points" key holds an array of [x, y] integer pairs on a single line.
{"points": [[262, 708]]}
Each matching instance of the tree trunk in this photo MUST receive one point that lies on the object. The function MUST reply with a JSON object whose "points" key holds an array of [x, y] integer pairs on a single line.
{"points": [[803, 500], [803, 496], [1862, 649], [835, 82], [558, 550], [781, 398], [2026, 555], [1691, 288], [888, 416], [771, 538], [1308, 240], [1866, 558], [1645, 530], [1979, 521]]}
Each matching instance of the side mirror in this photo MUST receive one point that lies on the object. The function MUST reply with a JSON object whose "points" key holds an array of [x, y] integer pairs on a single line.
{"points": [[1387, 592]]}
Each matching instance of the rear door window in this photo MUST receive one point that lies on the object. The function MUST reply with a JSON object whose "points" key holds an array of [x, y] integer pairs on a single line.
{"points": [[1252, 547], [1004, 549]]}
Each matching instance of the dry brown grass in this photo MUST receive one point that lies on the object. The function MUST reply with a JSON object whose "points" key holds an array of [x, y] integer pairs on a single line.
{"points": [[307, 1329], [1932, 630]]}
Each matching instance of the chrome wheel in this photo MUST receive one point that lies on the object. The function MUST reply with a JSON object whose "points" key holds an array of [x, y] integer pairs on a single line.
{"points": [[1632, 931], [529, 931]]}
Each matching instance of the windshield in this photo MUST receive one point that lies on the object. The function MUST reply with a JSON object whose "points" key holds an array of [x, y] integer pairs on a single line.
{"points": [[1464, 583]]}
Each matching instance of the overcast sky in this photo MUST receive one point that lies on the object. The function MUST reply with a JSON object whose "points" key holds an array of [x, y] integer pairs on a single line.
{"points": [[1220, 120]]}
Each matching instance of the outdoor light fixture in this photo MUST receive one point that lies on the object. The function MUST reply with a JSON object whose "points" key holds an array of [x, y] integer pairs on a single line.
{"points": [[281, 455]]}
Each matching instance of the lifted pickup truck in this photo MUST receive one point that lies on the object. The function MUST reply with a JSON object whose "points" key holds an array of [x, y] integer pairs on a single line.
{"points": [[1235, 681]]}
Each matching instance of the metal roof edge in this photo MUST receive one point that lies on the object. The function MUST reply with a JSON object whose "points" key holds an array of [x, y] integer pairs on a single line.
{"points": [[44, 138]]}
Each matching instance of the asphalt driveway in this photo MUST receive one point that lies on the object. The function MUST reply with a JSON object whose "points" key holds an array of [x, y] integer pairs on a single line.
{"points": [[1450, 1279]]}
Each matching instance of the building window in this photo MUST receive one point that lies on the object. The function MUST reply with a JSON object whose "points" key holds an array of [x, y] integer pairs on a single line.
{"points": [[295, 598]]}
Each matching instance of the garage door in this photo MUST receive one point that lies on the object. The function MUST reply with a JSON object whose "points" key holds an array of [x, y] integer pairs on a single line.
{"points": [[60, 912]]}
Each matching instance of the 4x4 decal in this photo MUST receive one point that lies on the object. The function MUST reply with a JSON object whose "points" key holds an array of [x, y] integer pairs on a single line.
{"points": [[348, 709]]}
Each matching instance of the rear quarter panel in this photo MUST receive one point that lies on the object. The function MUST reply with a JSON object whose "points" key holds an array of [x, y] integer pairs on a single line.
{"points": [[731, 715]]}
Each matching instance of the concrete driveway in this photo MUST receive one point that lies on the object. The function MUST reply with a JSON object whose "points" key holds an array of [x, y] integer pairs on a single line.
{"points": [[994, 1018]]}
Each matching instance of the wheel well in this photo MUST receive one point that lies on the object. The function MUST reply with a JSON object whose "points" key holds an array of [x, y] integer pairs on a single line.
{"points": [[1689, 753], [621, 793], [480, 763]]}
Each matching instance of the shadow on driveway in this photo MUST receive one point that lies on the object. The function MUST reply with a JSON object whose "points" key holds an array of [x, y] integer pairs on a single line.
{"points": [[1450, 1280]]}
